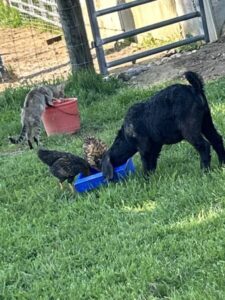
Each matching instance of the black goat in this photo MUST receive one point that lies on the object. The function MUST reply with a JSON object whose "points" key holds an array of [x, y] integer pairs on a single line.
{"points": [[178, 112]]}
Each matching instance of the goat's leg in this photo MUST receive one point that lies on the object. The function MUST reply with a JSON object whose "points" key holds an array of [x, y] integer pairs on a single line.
{"points": [[215, 139], [154, 155], [149, 157], [203, 148]]}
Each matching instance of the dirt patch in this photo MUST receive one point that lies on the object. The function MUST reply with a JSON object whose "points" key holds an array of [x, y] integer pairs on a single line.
{"points": [[28, 57], [209, 61]]}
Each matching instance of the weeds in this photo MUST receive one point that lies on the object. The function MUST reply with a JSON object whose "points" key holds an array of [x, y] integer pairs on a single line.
{"points": [[9, 17]]}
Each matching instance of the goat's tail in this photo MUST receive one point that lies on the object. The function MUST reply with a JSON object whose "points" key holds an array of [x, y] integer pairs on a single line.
{"points": [[196, 81], [21, 136]]}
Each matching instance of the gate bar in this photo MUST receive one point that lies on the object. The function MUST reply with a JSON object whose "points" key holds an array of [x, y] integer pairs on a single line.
{"points": [[120, 7], [204, 20], [96, 36], [148, 28], [99, 42], [154, 51]]}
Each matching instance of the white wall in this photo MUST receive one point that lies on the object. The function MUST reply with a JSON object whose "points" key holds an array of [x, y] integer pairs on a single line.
{"points": [[193, 26], [219, 13], [136, 17]]}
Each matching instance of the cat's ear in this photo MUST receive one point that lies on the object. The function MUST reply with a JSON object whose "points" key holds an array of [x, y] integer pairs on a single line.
{"points": [[61, 88]]}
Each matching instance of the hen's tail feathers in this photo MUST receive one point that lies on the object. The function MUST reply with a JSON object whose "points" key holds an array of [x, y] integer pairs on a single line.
{"points": [[196, 81], [49, 156], [21, 136]]}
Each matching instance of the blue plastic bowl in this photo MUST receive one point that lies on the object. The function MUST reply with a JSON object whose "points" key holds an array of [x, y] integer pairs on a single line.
{"points": [[85, 184]]}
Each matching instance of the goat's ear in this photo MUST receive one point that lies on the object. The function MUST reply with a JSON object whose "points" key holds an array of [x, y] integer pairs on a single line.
{"points": [[107, 168]]}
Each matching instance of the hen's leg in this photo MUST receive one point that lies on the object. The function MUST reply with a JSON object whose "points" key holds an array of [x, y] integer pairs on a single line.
{"points": [[70, 182], [60, 185]]}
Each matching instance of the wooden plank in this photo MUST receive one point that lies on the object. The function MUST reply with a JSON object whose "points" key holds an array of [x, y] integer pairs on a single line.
{"points": [[75, 34], [54, 39]]}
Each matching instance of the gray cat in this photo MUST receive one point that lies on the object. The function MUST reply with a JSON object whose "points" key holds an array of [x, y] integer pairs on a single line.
{"points": [[34, 105]]}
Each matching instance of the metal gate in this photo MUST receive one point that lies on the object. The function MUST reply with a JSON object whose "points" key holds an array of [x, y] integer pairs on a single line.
{"points": [[99, 42]]}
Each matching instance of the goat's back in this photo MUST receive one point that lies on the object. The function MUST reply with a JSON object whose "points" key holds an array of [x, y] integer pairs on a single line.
{"points": [[162, 116]]}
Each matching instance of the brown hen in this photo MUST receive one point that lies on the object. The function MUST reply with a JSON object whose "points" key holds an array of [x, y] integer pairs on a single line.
{"points": [[64, 165]]}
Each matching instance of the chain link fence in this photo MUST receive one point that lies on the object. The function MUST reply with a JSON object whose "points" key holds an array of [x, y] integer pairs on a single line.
{"points": [[31, 48]]}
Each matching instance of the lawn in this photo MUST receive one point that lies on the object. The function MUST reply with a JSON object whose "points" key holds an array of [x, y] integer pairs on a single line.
{"points": [[157, 239]]}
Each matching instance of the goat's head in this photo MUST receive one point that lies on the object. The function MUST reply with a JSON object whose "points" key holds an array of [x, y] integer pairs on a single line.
{"points": [[120, 151], [107, 167]]}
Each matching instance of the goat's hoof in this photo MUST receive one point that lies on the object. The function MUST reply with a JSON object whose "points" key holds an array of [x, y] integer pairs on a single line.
{"points": [[222, 163], [206, 170], [146, 176]]}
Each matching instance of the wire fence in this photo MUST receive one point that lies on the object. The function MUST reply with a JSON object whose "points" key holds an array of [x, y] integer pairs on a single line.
{"points": [[31, 49], [32, 43], [45, 10]]}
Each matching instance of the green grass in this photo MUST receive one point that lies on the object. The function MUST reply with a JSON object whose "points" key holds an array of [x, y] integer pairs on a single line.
{"points": [[162, 239]]}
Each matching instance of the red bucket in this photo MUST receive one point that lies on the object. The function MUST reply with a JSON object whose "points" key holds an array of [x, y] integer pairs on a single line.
{"points": [[63, 117]]}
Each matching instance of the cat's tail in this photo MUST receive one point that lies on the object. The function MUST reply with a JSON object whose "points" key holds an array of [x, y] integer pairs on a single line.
{"points": [[21, 137]]}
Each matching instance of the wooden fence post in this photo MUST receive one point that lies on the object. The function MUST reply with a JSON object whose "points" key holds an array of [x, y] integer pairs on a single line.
{"points": [[75, 34], [2, 69]]}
